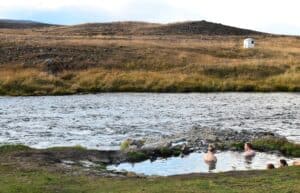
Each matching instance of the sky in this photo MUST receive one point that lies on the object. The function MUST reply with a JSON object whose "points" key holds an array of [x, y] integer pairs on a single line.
{"points": [[274, 16]]}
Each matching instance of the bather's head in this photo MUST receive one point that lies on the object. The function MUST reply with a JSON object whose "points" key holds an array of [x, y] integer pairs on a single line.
{"points": [[248, 146], [270, 166], [283, 163], [211, 148]]}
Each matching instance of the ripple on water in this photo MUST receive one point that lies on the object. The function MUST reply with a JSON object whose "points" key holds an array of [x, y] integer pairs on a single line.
{"points": [[105, 120]]}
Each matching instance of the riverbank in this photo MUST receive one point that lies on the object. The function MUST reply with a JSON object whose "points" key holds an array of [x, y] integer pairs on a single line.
{"points": [[21, 81]]}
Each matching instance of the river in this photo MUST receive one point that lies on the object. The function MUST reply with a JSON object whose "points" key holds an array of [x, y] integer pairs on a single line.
{"points": [[103, 121]]}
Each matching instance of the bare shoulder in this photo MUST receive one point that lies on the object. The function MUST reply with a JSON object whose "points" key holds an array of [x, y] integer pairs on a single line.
{"points": [[296, 163]]}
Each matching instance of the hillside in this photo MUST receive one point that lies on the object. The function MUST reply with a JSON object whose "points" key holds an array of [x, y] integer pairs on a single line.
{"points": [[133, 28], [142, 28], [145, 57], [114, 28], [199, 28], [20, 24]]}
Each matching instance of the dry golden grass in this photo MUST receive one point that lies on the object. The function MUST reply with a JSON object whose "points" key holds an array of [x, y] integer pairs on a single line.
{"points": [[34, 82], [145, 63]]}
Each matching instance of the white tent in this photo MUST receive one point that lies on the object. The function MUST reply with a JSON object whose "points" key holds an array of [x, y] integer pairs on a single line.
{"points": [[249, 43]]}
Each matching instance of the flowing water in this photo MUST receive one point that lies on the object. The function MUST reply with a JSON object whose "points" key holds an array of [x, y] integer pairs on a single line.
{"points": [[103, 121]]}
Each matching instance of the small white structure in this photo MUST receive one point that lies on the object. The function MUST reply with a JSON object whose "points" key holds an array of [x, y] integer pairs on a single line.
{"points": [[249, 43]]}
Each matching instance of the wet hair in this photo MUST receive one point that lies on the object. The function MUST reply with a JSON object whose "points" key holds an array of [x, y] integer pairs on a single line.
{"points": [[283, 163], [211, 148], [270, 166], [249, 145]]}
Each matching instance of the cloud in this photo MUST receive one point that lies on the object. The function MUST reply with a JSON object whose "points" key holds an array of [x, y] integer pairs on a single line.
{"points": [[273, 16]]}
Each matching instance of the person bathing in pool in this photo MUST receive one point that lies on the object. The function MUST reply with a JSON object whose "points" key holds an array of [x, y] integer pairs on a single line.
{"points": [[248, 150], [296, 163], [283, 163], [210, 158]]}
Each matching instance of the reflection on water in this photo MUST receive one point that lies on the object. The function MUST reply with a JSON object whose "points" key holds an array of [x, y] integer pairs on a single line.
{"points": [[194, 163], [103, 121], [248, 161], [212, 165]]}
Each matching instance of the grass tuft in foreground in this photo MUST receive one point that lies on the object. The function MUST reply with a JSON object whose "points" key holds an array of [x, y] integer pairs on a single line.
{"points": [[275, 181]]}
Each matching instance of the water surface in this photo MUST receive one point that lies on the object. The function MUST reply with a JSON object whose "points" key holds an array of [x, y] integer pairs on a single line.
{"points": [[193, 163], [102, 121]]}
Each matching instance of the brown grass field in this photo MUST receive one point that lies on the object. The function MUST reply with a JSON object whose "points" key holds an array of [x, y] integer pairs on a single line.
{"points": [[91, 58]]}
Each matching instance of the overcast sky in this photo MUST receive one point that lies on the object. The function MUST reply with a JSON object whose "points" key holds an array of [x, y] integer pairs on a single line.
{"points": [[276, 16]]}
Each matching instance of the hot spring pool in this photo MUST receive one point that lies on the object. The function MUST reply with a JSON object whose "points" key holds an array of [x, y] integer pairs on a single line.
{"points": [[194, 163]]}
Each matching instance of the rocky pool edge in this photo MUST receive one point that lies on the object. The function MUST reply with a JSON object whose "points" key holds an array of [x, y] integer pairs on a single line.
{"points": [[79, 160]]}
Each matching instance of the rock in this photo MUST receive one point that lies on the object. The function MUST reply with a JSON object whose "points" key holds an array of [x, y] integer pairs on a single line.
{"points": [[197, 139], [49, 61], [138, 143], [53, 66], [132, 144], [185, 149], [131, 174]]}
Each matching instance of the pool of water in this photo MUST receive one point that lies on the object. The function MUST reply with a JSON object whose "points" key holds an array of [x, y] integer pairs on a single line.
{"points": [[194, 163], [103, 121]]}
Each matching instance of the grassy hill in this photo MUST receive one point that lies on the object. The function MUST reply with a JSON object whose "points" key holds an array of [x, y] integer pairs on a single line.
{"points": [[145, 57], [143, 28], [20, 24], [200, 28]]}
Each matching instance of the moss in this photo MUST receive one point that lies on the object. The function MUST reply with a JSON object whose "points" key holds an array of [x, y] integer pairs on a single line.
{"points": [[100, 167], [136, 156], [77, 147], [239, 146], [165, 152], [273, 144], [267, 144], [13, 148], [177, 152]]}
